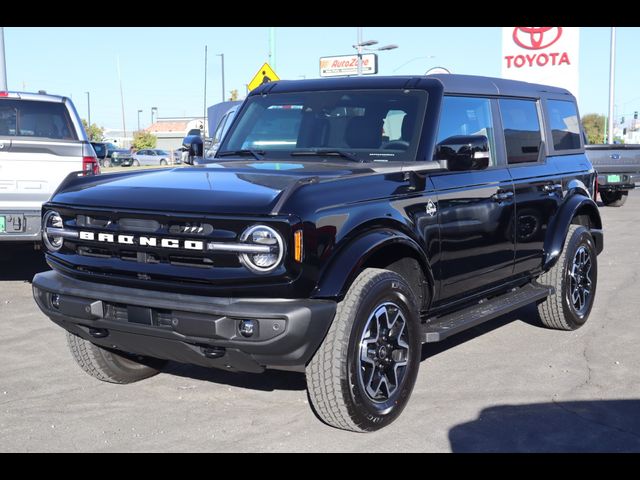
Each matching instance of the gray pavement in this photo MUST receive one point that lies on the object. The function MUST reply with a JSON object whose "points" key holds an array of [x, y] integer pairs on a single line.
{"points": [[508, 385]]}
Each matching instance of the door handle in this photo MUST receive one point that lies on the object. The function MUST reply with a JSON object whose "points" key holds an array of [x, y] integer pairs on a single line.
{"points": [[552, 188], [501, 196]]}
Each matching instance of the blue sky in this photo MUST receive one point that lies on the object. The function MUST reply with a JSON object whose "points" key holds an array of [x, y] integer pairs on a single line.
{"points": [[164, 67]]}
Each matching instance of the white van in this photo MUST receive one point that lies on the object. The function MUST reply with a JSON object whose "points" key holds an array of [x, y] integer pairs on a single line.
{"points": [[42, 140]]}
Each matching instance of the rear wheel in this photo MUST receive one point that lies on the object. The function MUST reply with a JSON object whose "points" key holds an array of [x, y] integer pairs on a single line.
{"points": [[109, 365], [163, 162], [614, 199], [574, 277], [106, 163], [135, 163], [361, 377]]}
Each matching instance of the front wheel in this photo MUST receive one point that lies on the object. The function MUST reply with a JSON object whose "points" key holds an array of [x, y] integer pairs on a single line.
{"points": [[163, 162], [106, 163], [614, 199], [135, 163], [574, 278], [361, 377], [109, 365]]}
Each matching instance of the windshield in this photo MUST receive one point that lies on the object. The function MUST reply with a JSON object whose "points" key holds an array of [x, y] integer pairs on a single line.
{"points": [[372, 125]]}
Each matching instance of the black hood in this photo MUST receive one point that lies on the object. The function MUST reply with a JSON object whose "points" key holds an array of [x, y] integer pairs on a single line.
{"points": [[250, 188]]}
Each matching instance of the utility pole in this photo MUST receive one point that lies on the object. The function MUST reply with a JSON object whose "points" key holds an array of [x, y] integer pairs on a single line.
{"points": [[124, 128], [612, 76], [204, 114], [272, 47], [3, 63], [221, 55], [88, 108]]}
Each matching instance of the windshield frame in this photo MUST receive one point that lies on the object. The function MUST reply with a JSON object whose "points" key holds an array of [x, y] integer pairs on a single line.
{"points": [[422, 101]]}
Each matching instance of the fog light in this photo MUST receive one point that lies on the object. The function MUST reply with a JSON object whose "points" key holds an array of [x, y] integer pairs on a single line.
{"points": [[55, 301], [247, 327]]}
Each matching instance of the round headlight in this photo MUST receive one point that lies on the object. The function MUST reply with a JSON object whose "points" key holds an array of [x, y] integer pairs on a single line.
{"points": [[273, 246], [51, 221]]}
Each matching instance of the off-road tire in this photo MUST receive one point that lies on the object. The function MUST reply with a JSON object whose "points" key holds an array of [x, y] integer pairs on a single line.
{"points": [[614, 199], [109, 366], [335, 389], [557, 311]]}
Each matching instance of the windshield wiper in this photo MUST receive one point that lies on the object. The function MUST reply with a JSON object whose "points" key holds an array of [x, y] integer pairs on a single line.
{"points": [[258, 154], [322, 152]]}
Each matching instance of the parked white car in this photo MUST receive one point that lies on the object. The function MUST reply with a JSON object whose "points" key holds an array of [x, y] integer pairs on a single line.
{"points": [[151, 156], [42, 141]]}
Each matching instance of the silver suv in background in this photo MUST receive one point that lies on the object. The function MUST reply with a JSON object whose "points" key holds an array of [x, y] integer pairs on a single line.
{"points": [[41, 142]]}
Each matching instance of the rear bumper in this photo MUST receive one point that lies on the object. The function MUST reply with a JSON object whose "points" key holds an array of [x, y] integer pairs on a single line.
{"points": [[187, 328], [21, 225], [627, 181]]}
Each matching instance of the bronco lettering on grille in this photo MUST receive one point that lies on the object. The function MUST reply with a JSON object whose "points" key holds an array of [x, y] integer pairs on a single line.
{"points": [[143, 241]]}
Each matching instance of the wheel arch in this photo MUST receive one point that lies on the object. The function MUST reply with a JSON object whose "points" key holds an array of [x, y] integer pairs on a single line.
{"points": [[578, 209], [381, 248]]}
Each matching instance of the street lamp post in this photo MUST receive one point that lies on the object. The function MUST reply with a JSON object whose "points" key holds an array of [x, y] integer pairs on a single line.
{"points": [[139, 112], [221, 55], [361, 46], [88, 108], [154, 110]]}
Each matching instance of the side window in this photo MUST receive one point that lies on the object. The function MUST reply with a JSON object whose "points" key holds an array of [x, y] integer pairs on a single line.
{"points": [[521, 130], [217, 136], [464, 116], [565, 127]]}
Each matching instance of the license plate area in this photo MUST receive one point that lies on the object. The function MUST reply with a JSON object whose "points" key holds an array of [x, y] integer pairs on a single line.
{"points": [[613, 178]]}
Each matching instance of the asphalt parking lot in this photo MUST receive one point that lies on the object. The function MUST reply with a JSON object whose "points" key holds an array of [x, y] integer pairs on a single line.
{"points": [[508, 385]]}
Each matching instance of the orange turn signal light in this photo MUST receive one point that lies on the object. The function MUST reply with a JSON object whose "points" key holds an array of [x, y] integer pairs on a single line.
{"points": [[297, 242]]}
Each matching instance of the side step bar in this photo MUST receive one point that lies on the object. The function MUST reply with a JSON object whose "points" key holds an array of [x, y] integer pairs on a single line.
{"points": [[440, 328]]}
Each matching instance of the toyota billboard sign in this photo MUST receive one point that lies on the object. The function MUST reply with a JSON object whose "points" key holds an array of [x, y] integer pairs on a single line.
{"points": [[547, 55]]}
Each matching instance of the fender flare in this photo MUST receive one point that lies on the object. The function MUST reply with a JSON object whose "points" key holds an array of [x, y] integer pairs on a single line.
{"points": [[347, 262], [576, 204]]}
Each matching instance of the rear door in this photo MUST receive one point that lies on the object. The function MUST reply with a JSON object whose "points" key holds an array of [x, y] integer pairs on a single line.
{"points": [[40, 147]]}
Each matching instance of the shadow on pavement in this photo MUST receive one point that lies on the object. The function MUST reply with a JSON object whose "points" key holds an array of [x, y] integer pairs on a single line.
{"points": [[268, 381], [20, 262], [580, 426], [527, 314]]}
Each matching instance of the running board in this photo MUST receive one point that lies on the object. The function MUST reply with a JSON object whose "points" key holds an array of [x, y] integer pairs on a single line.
{"points": [[440, 328]]}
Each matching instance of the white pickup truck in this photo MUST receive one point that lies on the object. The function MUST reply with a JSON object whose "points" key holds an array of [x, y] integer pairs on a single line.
{"points": [[42, 140]]}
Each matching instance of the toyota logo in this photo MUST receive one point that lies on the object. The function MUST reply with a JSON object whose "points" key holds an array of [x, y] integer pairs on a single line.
{"points": [[536, 38]]}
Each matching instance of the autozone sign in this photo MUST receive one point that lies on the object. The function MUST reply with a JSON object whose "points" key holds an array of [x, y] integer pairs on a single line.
{"points": [[547, 55], [348, 65]]}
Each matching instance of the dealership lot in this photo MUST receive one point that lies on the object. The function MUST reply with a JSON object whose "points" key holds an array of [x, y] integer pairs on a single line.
{"points": [[518, 387]]}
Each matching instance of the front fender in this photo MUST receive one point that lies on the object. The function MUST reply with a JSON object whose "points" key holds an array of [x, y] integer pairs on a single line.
{"points": [[578, 204], [345, 265]]}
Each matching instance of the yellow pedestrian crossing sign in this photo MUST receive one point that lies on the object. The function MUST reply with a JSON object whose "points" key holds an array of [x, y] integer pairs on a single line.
{"points": [[264, 75]]}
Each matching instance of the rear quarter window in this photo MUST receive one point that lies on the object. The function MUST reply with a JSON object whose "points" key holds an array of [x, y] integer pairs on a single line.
{"points": [[28, 118], [565, 125]]}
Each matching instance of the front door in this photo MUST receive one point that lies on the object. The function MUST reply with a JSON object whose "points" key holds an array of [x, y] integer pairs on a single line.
{"points": [[475, 207]]}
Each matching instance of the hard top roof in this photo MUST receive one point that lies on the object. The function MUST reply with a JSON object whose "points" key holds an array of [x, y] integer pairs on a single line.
{"points": [[451, 83]]}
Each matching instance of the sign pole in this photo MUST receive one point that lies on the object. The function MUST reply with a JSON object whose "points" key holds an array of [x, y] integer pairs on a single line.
{"points": [[612, 74], [3, 63]]}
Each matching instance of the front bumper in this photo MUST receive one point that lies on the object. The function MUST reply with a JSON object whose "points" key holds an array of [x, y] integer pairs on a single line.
{"points": [[187, 328]]}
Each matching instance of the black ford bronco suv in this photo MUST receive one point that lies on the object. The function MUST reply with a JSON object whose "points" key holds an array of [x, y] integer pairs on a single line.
{"points": [[341, 224]]}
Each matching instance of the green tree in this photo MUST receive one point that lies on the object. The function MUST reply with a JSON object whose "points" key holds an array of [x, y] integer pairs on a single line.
{"points": [[594, 124], [143, 139], [94, 132], [234, 95]]}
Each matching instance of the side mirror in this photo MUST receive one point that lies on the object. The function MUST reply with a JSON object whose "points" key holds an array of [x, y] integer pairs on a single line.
{"points": [[194, 146], [464, 152]]}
